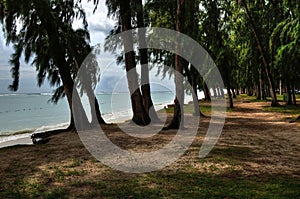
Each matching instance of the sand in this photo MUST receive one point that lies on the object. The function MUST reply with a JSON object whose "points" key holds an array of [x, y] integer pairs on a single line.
{"points": [[19, 141]]}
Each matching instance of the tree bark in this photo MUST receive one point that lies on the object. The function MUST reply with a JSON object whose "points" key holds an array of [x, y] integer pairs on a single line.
{"points": [[145, 80], [206, 92], [140, 116], [233, 93], [261, 86], [294, 96], [229, 96], [178, 119], [262, 53]]}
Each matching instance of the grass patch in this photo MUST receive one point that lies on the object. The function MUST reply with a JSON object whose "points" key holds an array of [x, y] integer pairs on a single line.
{"points": [[192, 184], [289, 109], [185, 182]]}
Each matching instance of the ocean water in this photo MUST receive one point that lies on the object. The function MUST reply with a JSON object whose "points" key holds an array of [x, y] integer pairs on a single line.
{"points": [[26, 113]]}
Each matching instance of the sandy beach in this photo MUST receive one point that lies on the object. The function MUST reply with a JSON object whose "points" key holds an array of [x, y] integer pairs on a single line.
{"points": [[19, 141]]}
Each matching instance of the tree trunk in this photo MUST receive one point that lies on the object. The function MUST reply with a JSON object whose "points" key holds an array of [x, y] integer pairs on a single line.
{"points": [[257, 92], [233, 93], [289, 95], [229, 97], [237, 91], [178, 119], [261, 86], [294, 96], [265, 63], [146, 90], [195, 101], [59, 59], [140, 115], [206, 92]]}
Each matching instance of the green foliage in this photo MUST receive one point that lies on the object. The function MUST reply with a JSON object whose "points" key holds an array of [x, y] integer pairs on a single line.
{"points": [[39, 45]]}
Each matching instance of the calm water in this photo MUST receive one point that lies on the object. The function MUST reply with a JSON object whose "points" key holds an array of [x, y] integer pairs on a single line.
{"points": [[32, 112]]}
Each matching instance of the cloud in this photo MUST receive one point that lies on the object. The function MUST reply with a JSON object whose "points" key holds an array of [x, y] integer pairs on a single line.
{"points": [[98, 21], [100, 26]]}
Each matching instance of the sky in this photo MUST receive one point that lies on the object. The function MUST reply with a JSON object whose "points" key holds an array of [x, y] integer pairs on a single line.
{"points": [[99, 26]]}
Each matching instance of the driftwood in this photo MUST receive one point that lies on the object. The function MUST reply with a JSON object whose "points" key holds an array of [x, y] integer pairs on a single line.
{"points": [[43, 137]]}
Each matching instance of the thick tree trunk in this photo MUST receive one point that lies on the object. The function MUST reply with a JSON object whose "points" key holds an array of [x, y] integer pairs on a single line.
{"points": [[145, 80], [68, 88], [140, 115], [206, 92], [265, 63], [178, 119]]}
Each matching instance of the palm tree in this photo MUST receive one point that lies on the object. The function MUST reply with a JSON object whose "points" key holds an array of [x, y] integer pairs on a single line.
{"points": [[45, 34]]}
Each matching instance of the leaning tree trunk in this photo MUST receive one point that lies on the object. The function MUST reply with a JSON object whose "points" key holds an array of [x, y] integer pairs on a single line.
{"points": [[206, 92], [178, 119], [262, 53], [51, 28], [140, 115], [146, 90]]}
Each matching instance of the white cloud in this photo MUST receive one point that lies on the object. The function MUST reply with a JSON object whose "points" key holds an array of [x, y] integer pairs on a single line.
{"points": [[98, 23]]}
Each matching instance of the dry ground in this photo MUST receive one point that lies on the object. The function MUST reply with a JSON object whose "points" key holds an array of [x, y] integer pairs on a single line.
{"points": [[254, 143]]}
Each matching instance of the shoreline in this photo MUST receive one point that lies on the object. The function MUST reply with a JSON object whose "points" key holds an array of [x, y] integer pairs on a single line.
{"points": [[19, 138], [20, 141]]}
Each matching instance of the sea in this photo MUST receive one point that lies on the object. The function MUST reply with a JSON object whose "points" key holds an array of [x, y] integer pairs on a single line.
{"points": [[24, 114]]}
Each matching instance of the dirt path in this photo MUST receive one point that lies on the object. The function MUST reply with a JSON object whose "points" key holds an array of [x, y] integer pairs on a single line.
{"points": [[273, 143]]}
